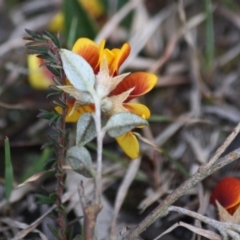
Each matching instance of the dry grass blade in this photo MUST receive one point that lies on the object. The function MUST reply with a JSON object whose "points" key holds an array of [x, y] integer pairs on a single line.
{"points": [[169, 131], [201, 151], [224, 111], [110, 26], [195, 97], [228, 56], [225, 228], [166, 179], [36, 24], [33, 178], [141, 37], [145, 140], [230, 15], [205, 233], [20, 235], [192, 23], [17, 194], [11, 44], [122, 192], [36, 176], [24, 226], [224, 146], [141, 63]]}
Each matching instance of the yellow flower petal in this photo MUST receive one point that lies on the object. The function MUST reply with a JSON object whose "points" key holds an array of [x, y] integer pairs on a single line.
{"points": [[138, 109], [73, 116], [93, 7], [109, 55], [120, 56], [57, 23], [39, 77], [129, 144], [115, 57]]}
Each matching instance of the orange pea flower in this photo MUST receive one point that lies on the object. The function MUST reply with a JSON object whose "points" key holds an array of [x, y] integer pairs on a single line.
{"points": [[132, 86], [227, 194]]}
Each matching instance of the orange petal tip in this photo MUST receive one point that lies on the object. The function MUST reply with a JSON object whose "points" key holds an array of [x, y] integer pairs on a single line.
{"points": [[142, 82]]}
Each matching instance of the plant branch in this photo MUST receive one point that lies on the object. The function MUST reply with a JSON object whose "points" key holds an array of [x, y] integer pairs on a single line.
{"points": [[225, 228], [223, 147], [60, 174], [60, 145]]}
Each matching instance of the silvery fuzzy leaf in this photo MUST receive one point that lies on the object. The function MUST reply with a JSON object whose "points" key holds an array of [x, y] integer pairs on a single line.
{"points": [[80, 161], [121, 123], [77, 70], [86, 130]]}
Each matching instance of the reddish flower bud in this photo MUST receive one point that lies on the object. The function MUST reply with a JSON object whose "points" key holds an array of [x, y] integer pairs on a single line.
{"points": [[227, 193]]}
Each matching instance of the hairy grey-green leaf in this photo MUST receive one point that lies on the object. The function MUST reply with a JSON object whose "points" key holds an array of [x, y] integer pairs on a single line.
{"points": [[121, 123], [86, 130], [80, 160], [77, 70]]}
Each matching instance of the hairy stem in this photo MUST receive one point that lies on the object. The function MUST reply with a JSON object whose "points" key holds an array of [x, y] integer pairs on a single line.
{"points": [[60, 173], [98, 178]]}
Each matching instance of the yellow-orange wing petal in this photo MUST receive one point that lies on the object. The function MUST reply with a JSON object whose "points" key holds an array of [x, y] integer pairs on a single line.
{"points": [[56, 23], [73, 116], [93, 7], [129, 144], [138, 109], [227, 193], [89, 50], [142, 82]]}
